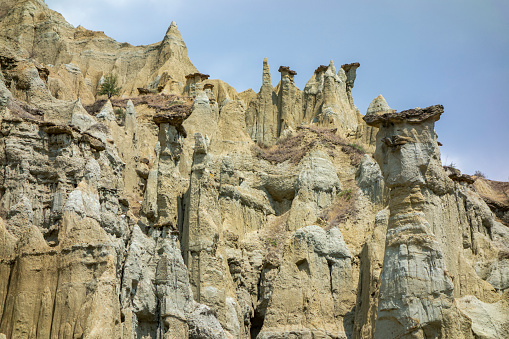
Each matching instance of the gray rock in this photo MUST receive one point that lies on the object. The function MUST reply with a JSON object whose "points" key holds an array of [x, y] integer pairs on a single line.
{"points": [[203, 324], [106, 113], [92, 172], [80, 117], [200, 144], [370, 180], [329, 244], [5, 95], [489, 321], [317, 173], [84, 202], [130, 121]]}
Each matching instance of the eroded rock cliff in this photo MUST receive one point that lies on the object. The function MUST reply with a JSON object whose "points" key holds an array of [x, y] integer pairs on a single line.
{"points": [[183, 209]]}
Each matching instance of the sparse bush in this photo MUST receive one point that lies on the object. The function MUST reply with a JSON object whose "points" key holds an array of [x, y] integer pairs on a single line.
{"points": [[345, 193], [341, 209], [110, 86], [357, 147], [272, 242], [356, 152], [294, 148], [480, 174], [120, 115]]}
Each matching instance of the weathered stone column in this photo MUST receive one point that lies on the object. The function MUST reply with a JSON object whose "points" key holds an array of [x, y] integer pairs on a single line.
{"points": [[209, 91], [262, 121], [169, 184], [202, 244], [290, 107], [416, 290], [194, 83], [351, 74]]}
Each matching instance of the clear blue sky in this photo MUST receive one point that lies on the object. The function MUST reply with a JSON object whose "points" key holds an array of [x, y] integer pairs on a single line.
{"points": [[414, 53]]}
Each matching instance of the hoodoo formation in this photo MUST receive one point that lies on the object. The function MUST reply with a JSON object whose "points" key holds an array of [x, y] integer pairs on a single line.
{"points": [[183, 209]]}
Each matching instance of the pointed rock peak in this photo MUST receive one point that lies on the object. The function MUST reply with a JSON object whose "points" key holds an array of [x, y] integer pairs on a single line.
{"points": [[130, 108], [266, 73], [106, 112], [107, 106], [332, 68], [173, 31], [342, 75], [379, 106]]}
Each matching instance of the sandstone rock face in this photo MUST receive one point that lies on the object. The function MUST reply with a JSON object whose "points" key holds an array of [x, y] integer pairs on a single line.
{"points": [[326, 100], [415, 289], [78, 58], [194, 211], [262, 117], [417, 294], [313, 289]]}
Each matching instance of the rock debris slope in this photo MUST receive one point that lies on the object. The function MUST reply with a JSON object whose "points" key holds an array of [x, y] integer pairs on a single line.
{"points": [[183, 209]]}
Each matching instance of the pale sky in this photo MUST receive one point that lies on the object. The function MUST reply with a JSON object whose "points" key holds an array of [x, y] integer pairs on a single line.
{"points": [[416, 53]]}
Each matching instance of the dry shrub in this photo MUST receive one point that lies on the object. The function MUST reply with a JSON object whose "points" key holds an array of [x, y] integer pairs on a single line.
{"points": [[159, 102], [480, 174], [294, 148], [95, 107], [25, 110], [343, 208], [355, 152]]}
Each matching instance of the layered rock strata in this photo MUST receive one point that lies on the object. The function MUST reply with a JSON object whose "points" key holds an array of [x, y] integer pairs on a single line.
{"points": [[419, 279]]}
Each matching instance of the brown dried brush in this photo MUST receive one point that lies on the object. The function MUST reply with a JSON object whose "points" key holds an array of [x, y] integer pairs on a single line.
{"points": [[342, 208]]}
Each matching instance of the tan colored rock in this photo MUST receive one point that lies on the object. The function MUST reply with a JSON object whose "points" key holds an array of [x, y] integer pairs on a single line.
{"points": [[171, 223], [326, 100], [312, 293], [289, 101], [68, 49], [379, 106], [262, 115]]}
